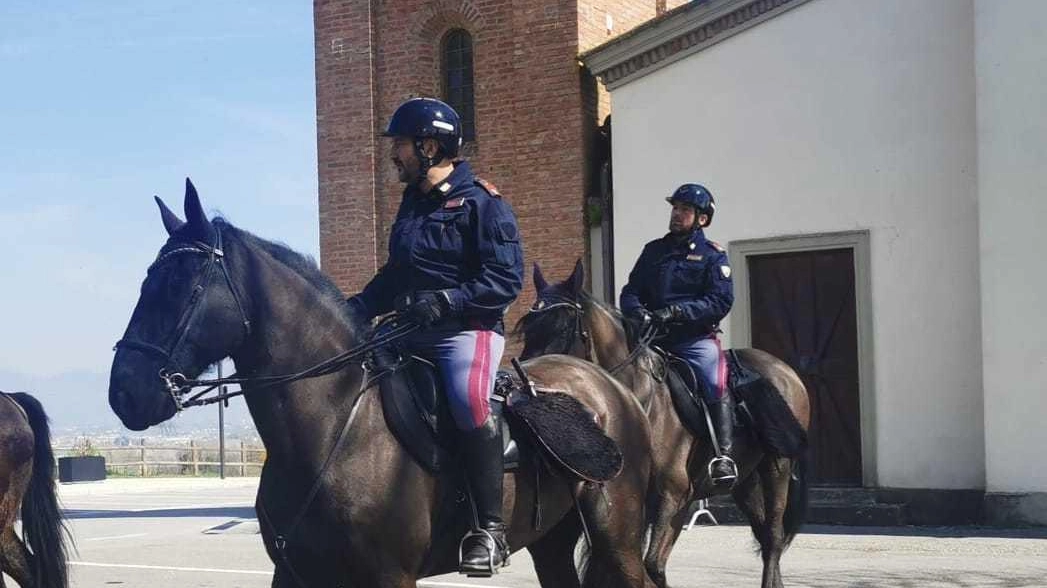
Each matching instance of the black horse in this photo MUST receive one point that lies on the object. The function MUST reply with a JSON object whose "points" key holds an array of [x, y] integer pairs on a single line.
{"points": [[772, 487], [340, 501], [27, 481]]}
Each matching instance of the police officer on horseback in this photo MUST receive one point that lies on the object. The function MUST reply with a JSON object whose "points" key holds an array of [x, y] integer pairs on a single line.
{"points": [[455, 264], [682, 283]]}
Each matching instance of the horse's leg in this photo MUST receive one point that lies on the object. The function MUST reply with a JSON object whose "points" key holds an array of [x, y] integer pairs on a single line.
{"points": [[553, 554], [14, 559], [774, 479], [748, 495], [615, 518], [668, 518], [762, 497]]}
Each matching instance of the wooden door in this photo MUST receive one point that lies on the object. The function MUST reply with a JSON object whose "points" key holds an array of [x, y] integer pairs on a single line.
{"points": [[803, 311]]}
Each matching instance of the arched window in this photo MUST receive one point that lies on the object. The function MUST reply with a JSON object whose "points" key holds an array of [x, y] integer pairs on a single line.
{"points": [[458, 78]]}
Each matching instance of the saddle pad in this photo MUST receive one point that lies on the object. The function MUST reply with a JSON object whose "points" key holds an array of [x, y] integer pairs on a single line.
{"points": [[567, 432], [771, 418]]}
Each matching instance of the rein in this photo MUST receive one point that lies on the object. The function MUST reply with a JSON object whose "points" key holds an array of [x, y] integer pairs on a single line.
{"points": [[180, 387], [184, 386], [643, 343]]}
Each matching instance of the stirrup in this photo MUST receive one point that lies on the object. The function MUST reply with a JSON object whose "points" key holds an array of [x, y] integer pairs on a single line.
{"points": [[723, 480], [493, 547]]}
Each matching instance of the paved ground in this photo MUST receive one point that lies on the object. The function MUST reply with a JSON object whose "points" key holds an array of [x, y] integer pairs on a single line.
{"points": [[152, 533]]}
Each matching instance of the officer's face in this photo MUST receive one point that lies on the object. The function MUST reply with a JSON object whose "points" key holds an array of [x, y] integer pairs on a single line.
{"points": [[407, 165], [681, 219]]}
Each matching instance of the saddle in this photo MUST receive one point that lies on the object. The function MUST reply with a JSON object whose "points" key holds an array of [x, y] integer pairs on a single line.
{"points": [[685, 389], [550, 424], [417, 413], [759, 406]]}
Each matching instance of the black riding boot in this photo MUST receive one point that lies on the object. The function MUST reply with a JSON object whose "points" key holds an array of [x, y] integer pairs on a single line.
{"points": [[722, 469], [484, 549]]}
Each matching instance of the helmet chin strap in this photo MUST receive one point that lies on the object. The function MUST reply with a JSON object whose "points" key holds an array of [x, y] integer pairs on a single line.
{"points": [[425, 163]]}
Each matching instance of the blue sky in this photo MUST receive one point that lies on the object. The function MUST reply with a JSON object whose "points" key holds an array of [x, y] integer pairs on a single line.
{"points": [[102, 105]]}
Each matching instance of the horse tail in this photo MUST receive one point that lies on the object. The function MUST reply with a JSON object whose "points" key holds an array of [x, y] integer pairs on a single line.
{"points": [[42, 524], [796, 504]]}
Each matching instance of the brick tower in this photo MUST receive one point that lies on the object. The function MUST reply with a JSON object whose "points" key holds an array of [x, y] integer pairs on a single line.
{"points": [[509, 68]]}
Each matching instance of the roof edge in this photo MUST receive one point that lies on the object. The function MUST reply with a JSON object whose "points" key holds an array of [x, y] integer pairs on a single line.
{"points": [[676, 34]]}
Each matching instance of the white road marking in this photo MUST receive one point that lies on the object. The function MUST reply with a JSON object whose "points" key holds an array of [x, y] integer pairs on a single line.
{"points": [[116, 537], [252, 573], [139, 508], [455, 585], [167, 568]]}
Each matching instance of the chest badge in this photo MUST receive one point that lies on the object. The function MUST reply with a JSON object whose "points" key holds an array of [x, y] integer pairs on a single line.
{"points": [[455, 202], [694, 257], [725, 270]]}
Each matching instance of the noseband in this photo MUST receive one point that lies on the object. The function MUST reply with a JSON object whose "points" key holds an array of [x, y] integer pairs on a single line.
{"points": [[173, 378]]}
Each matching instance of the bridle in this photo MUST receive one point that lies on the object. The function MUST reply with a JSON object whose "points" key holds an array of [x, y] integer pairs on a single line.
{"points": [[581, 332], [179, 386], [173, 378]]}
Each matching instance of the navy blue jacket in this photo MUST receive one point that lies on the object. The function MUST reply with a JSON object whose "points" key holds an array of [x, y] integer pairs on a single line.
{"points": [[461, 238], [692, 275]]}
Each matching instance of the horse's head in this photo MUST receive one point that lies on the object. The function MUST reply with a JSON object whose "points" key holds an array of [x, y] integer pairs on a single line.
{"points": [[188, 316], [556, 322]]}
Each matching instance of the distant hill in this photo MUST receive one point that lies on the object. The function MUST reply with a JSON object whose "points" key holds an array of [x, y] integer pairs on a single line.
{"points": [[79, 401]]}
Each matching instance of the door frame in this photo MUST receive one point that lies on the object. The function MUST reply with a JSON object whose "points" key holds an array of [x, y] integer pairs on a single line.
{"points": [[740, 319]]}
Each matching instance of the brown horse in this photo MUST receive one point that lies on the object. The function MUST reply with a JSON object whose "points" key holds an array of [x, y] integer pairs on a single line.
{"points": [[27, 480], [340, 501], [771, 490]]}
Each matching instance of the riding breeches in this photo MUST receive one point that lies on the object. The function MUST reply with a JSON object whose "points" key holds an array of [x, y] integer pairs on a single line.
{"points": [[707, 359], [468, 363]]}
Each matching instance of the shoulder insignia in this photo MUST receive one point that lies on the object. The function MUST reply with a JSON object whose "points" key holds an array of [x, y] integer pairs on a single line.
{"points": [[717, 246], [489, 187], [454, 202], [725, 271]]}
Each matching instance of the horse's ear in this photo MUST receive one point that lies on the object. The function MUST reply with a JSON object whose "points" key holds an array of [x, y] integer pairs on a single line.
{"points": [[540, 285], [194, 212], [171, 221], [577, 279]]}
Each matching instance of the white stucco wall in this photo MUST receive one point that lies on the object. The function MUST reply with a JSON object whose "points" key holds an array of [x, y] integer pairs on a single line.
{"points": [[1012, 186], [840, 115]]}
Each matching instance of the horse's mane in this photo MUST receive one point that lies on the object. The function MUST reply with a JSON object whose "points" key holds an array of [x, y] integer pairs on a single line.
{"points": [[632, 332], [302, 265]]}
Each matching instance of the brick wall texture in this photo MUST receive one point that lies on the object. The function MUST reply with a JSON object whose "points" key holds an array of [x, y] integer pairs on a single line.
{"points": [[536, 115]]}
